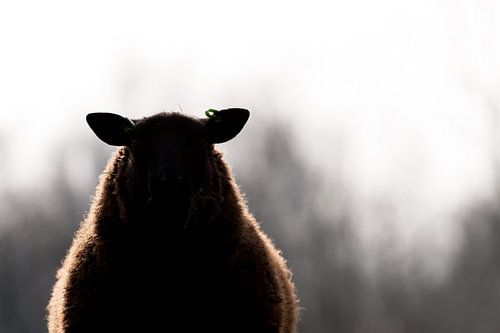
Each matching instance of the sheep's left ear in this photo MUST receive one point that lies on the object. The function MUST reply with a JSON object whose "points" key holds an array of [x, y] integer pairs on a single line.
{"points": [[223, 125], [111, 128]]}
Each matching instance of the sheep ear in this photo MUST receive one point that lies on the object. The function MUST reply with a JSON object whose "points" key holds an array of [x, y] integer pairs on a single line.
{"points": [[223, 125], [111, 128]]}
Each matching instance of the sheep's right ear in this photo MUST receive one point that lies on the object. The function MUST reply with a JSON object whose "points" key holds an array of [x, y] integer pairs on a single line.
{"points": [[111, 128], [223, 125]]}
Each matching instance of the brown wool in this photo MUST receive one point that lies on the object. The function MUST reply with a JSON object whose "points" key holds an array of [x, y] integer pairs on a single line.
{"points": [[220, 273]]}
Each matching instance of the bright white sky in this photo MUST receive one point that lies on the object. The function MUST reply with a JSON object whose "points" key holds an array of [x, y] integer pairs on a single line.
{"points": [[404, 86]]}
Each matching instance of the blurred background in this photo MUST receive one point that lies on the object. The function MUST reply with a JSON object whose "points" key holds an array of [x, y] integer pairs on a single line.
{"points": [[371, 156]]}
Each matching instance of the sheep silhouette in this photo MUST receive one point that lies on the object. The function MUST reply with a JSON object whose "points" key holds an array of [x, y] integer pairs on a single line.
{"points": [[168, 244]]}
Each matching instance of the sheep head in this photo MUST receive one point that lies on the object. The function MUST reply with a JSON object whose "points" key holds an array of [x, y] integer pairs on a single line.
{"points": [[169, 155]]}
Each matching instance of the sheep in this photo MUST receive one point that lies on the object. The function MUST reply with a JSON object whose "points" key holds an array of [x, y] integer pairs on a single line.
{"points": [[168, 244]]}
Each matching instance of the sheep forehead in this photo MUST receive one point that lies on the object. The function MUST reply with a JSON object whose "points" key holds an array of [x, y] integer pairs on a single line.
{"points": [[172, 124]]}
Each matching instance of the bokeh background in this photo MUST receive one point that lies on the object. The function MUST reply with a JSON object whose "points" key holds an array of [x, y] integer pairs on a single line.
{"points": [[371, 156]]}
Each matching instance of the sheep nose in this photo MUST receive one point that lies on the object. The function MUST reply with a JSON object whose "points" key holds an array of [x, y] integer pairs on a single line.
{"points": [[167, 180]]}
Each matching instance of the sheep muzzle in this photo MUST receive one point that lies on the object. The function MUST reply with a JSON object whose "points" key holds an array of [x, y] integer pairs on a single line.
{"points": [[170, 193]]}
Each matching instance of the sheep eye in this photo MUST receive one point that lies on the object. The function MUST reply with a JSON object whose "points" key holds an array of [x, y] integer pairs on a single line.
{"points": [[136, 144]]}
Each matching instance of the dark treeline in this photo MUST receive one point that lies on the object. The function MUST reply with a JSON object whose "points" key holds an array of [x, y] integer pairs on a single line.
{"points": [[309, 218]]}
